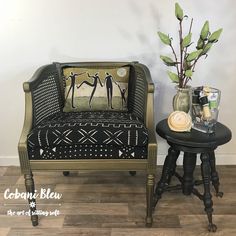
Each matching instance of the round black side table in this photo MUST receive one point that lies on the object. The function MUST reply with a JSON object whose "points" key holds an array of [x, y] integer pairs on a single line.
{"points": [[192, 143]]}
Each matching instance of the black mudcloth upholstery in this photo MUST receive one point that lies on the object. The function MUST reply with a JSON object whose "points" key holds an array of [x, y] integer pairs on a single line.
{"points": [[89, 135], [87, 151]]}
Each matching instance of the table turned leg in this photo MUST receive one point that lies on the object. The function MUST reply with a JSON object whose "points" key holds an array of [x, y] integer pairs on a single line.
{"points": [[206, 171], [189, 164], [214, 175], [172, 170], [167, 171]]}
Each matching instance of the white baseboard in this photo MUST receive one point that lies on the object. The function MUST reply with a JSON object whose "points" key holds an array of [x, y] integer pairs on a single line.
{"points": [[221, 159], [9, 161]]}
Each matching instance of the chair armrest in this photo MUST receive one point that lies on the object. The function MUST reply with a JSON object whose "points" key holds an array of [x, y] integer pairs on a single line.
{"points": [[35, 80], [42, 98], [152, 152], [152, 140], [27, 120], [28, 88], [44, 93], [147, 78], [142, 95], [143, 102], [22, 144]]}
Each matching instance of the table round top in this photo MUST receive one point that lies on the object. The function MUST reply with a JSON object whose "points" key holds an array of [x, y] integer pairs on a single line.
{"points": [[195, 139]]}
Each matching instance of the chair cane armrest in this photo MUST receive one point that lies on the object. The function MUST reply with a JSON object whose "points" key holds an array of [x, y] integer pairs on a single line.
{"points": [[147, 78], [28, 118], [44, 93], [35, 80], [144, 104], [32, 91]]}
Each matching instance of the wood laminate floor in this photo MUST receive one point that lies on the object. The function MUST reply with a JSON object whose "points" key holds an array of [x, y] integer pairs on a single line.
{"points": [[113, 204]]}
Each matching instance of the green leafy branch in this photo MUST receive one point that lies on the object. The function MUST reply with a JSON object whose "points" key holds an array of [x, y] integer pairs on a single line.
{"points": [[185, 65]]}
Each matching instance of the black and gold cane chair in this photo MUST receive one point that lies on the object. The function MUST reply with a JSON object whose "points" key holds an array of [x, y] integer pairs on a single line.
{"points": [[89, 116]]}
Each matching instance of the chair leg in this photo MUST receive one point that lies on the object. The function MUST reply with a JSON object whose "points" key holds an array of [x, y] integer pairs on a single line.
{"points": [[206, 171], [149, 198], [66, 173], [29, 184]]}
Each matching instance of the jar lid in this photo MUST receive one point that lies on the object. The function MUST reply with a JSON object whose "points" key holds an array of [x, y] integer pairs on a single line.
{"points": [[203, 100], [179, 121], [197, 90]]}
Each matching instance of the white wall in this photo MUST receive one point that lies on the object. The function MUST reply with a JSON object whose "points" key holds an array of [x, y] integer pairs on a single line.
{"points": [[33, 33]]}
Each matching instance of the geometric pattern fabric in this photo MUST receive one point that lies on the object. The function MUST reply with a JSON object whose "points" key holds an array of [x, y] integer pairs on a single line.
{"points": [[97, 127], [88, 152], [95, 134]]}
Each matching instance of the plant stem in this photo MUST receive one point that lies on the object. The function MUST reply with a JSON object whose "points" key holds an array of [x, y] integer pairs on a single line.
{"points": [[186, 81], [181, 54], [194, 64], [186, 50], [190, 28], [176, 59]]}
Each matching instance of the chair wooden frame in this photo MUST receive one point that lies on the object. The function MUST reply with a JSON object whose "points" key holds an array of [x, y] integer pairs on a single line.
{"points": [[148, 165]]}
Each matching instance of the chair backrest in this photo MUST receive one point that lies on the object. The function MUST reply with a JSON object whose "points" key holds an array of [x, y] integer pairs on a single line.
{"points": [[136, 100], [49, 92]]}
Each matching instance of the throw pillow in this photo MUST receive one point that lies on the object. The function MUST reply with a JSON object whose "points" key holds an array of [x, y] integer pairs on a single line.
{"points": [[96, 88]]}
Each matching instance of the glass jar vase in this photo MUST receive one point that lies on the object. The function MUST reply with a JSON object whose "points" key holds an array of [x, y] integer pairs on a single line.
{"points": [[205, 108]]}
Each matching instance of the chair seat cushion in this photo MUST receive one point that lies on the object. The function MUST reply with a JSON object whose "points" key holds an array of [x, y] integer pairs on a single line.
{"points": [[91, 128], [85, 151]]}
